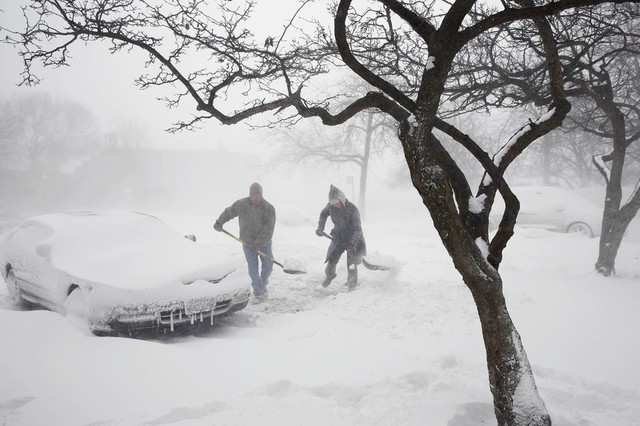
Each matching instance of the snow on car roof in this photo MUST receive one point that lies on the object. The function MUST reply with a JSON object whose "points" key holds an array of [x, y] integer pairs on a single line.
{"points": [[548, 196], [551, 194], [126, 249]]}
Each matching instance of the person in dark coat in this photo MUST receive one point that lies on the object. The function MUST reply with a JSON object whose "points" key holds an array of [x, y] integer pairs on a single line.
{"points": [[257, 220], [346, 235]]}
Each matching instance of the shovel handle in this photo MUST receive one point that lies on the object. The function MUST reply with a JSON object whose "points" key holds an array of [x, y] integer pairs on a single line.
{"points": [[257, 250], [366, 264], [324, 234]]}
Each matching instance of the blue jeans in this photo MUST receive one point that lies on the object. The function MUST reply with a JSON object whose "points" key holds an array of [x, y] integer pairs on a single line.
{"points": [[259, 280]]}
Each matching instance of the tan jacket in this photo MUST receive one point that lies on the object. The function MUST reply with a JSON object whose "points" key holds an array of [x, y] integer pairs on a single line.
{"points": [[256, 222]]}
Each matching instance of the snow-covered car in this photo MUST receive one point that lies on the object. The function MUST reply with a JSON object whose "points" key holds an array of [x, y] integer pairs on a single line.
{"points": [[553, 208], [120, 272]]}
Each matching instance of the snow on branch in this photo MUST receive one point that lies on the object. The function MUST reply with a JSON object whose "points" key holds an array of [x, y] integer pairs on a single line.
{"points": [[476, 204], [601, 164], [514, 139]]}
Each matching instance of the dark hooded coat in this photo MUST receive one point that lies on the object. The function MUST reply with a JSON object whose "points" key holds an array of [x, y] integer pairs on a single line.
{"points": [[347, 228]]}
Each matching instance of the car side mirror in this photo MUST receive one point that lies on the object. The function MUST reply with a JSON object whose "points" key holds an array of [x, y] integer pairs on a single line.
{"points": [[191, 237]]}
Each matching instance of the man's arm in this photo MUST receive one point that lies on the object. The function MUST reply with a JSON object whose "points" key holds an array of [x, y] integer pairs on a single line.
{"points": [[229, 213], [322, 221]]}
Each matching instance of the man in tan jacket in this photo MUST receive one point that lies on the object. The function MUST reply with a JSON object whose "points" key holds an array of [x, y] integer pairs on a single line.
{"points": [[257, 220]]}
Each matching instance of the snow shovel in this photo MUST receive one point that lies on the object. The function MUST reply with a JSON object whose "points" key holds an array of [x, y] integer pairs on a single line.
{"points": [[366, 264], [287, 269]]}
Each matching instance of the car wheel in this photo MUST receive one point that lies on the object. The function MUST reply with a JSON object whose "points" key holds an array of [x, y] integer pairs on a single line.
{"points": [[14, 288], [76, 310], [580, 228]]}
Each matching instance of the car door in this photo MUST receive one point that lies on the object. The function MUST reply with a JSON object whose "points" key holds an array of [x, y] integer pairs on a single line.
{"points": [[29, 258], [540, 208]]}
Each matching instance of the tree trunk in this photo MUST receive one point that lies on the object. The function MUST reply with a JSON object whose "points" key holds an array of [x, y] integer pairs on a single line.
{"points": [[515, 396], [609, 245], [516, 399], [611, 233], [364, 167], [615, 222], [615, 219], [546, 160]]}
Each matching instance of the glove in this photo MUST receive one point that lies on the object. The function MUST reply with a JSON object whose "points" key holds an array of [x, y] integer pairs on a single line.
{"points": [[217, 226], [319, 232], [351, 249]]}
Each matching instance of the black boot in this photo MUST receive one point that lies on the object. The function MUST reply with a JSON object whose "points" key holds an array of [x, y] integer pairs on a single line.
{"points": [[352, 278], [327, 281], [330, 272]]}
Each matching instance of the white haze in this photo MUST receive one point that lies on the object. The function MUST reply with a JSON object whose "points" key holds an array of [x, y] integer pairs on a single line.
{"points": [[404, 349]]}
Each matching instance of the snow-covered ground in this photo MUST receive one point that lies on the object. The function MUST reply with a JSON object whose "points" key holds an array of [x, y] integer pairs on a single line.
{"points": [[404, 349]]}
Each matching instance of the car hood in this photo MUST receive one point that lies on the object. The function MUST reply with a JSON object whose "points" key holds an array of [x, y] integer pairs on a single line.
{"points": [[128, 250], [140, 266]]}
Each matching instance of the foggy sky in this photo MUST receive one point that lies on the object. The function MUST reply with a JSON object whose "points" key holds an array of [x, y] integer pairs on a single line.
{"points": [[104, 83]]}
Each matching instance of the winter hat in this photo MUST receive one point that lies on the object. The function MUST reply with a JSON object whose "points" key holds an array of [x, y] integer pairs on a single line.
{"points": [[255, 189], [336, 194]]}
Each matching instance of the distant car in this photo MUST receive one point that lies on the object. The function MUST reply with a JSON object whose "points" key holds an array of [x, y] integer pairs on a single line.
{"points": [[120, 272], [553, 208]]}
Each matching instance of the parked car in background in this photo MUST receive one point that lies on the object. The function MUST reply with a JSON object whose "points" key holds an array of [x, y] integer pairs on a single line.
{"points": [[553, 208], [120, 272]]}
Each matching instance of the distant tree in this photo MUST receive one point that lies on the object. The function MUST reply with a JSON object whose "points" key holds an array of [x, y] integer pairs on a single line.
{"points": [[563, 157], [407, 51], [598, 56], [128, 133], [612, 84], [10, 128], [365, 138], [359, 142], [600, 52], [45, 132]]}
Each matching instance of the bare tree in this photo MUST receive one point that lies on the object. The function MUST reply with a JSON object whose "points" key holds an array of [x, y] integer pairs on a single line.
{"points": [[360, 141], [598, 51], [44, 132], [564, 156], [128, 133], [406, 51], [602, 67], [616, 108], [10, 129]]}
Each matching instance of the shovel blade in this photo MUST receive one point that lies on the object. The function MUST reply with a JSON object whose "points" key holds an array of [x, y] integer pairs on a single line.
{"points": [[373, 267], [292, 266]]}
